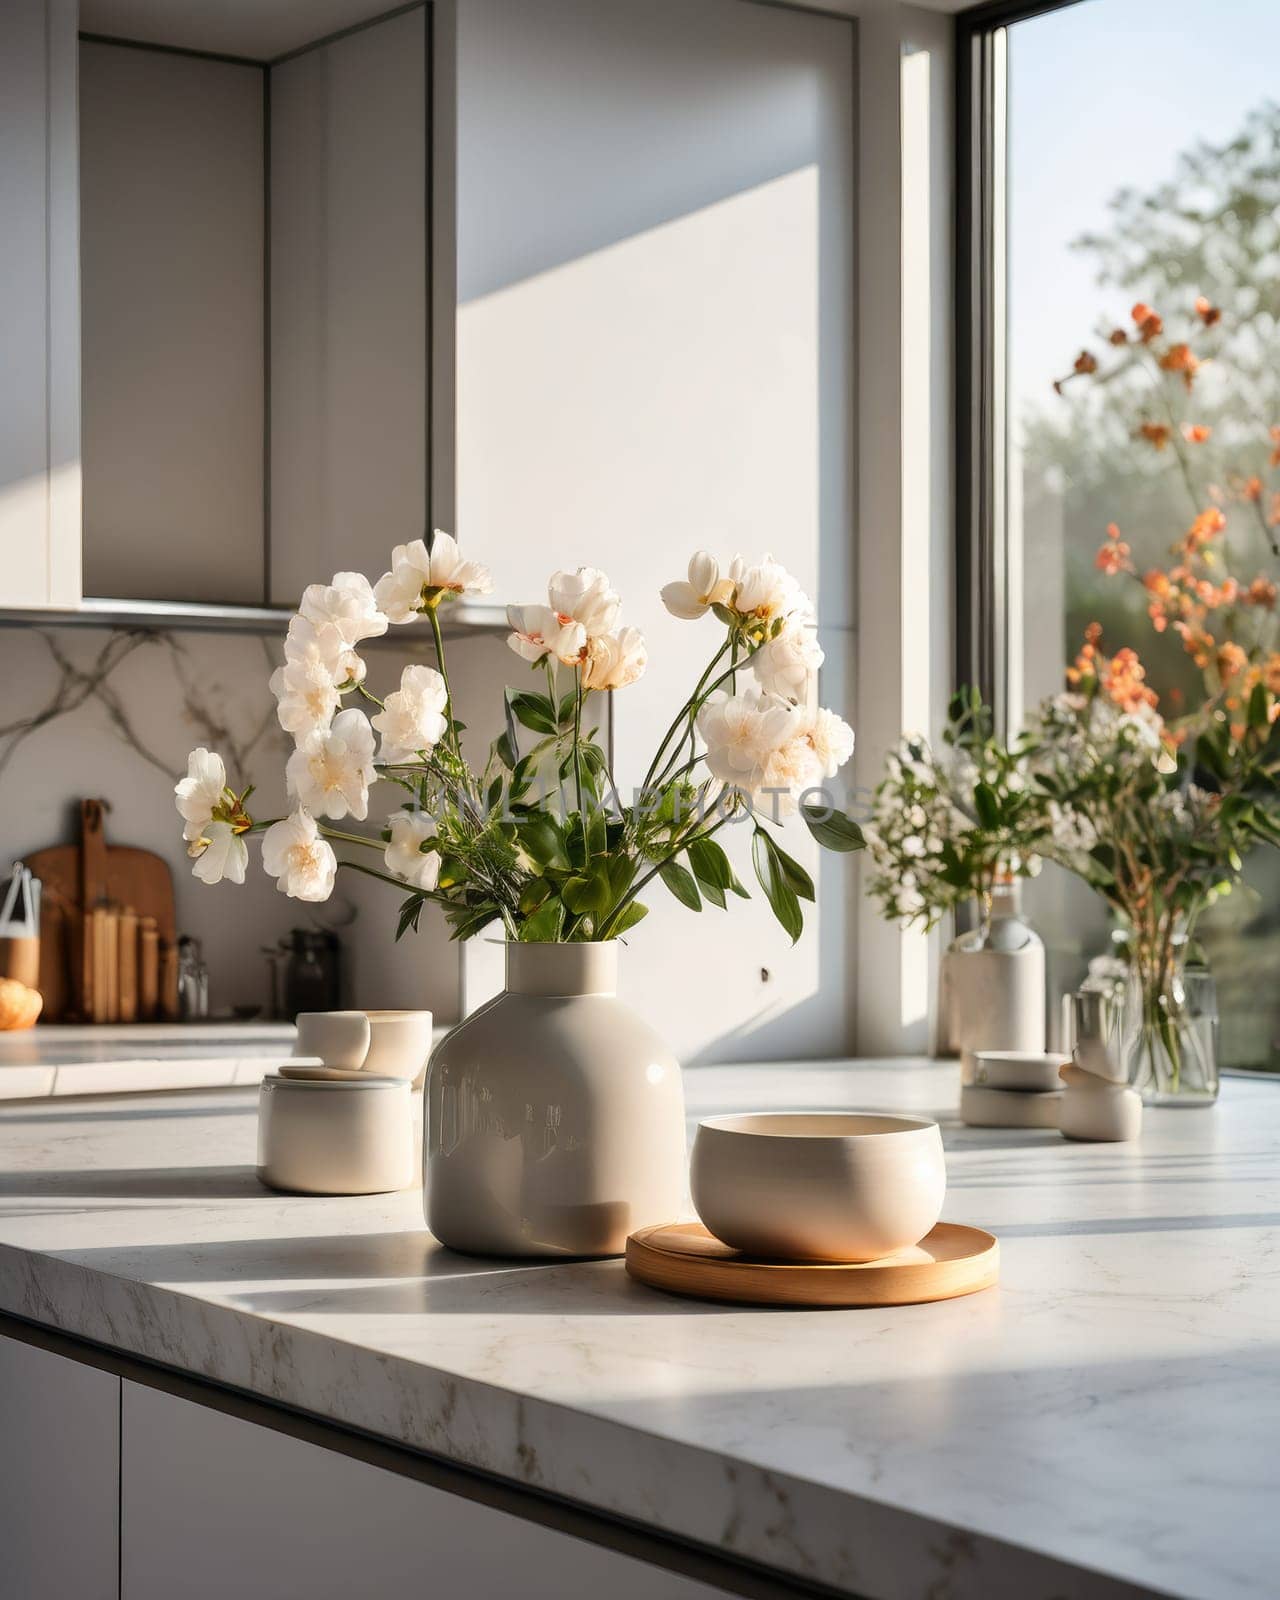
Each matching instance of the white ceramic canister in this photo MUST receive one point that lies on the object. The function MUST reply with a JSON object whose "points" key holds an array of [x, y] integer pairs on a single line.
{"points": [[994, 988], [336, 1136]]}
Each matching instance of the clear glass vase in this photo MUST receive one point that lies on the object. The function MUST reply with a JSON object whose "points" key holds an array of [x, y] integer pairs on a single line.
{"points": [[1172, 1035]]}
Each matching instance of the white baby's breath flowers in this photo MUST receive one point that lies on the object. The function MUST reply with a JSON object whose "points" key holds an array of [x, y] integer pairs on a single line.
{"points": [[303, 863], [585, 597], [705, 588], [404, 856], [219, 853], [419, 579], [201, 792], [613, 660], [537, 631], [786, 666], [331, 770], [412, 720]]}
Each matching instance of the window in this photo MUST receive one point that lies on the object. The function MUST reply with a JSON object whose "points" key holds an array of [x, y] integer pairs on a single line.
{"points": [[1121, 152]]}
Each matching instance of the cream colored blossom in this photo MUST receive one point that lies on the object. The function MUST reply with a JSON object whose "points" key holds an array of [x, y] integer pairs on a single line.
{"points": [[585, 597], [829, 737], [201, 792], [419, 579], [786, 666], [303, 863], [412, 719], [704, 588], [741, 732], [219, 853], [306, 695], [537, 631], [613, 660], [331, 770], [347, 605], [404, 855]]}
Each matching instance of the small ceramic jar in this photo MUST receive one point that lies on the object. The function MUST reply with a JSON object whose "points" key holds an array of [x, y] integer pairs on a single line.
{"points": [[336, 1136]]}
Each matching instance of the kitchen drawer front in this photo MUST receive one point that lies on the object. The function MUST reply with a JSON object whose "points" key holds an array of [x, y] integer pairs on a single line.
{"points": [[214, 1505], [59, 1476]]}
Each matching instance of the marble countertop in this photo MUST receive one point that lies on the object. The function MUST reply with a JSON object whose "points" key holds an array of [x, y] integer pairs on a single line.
{"points": [[1104, 1423], [115, 1058]]}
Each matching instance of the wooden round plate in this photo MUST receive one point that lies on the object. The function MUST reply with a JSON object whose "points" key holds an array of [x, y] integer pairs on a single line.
{"points": [[683, 1258]]}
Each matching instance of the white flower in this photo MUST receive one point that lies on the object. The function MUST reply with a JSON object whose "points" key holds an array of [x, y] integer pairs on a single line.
{"points": [[584, 596], [405, 857], [294, 853], [331, 770], [418, 578], [786, 665], [412, 719], [614, 660], [741, 732], [219, 853], [327, 643], [829, 737], [537, 631], [765, 591], [306, 696], [200, 793], [788, 772], [1071, 829], [704, 589], [347, 604]]}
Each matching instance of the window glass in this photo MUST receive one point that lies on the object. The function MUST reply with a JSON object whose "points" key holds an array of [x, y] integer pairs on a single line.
{"points": [[1143, 168]]}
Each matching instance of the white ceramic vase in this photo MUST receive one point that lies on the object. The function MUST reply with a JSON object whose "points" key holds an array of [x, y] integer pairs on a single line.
{"points": [[993, 987], [554, 1115]]}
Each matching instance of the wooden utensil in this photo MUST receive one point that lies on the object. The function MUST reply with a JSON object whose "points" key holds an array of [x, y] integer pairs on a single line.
{"points": [[683, 1258], [77, 878]]}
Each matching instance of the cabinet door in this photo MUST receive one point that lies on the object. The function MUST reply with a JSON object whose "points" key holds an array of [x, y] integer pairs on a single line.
{"points": [[59, 1476], [215, 1506]]}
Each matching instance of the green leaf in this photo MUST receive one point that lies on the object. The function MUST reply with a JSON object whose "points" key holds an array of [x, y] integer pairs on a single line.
{"points": [[589, 896], [778, 892], [681, 883], [410, 911], [712, 868], [794, 875], [535, 711], [506, 749], [541, 836], [545, 925], [987, 806], [1257, 713], [634, 913], [834, 831]]}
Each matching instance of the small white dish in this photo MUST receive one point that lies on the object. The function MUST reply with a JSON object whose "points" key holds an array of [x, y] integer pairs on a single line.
{"points": [[1029, 1071], [828, 1186], [337, 1038], [316, 1071], [399, 1044]]}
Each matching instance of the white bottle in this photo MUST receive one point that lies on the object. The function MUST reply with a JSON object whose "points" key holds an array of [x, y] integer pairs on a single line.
{"points": [[993, 984]]}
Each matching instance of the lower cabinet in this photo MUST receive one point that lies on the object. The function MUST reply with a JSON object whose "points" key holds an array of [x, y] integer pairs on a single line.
{"points": [[59, 1477], [214, 1506]]}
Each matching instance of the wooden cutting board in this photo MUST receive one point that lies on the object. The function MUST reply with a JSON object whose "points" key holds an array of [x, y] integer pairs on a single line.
{"points": [[683, 1258], [80, 876]]}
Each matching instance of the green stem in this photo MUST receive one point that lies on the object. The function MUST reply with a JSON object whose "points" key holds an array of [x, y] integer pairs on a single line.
{"points": [[685, 710], [351, 838], [577, 756], [438, 637]]}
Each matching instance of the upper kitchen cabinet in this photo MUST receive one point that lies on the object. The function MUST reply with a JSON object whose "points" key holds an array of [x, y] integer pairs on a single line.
{"points": [[216, 297]]}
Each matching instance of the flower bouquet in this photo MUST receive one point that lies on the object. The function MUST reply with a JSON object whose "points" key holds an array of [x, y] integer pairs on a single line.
{"points": [[537, 838]]}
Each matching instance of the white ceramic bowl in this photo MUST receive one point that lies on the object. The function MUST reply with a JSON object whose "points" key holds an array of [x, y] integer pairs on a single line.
{"points": [[824, 1186], [1029, 1070], [399, 1044]]}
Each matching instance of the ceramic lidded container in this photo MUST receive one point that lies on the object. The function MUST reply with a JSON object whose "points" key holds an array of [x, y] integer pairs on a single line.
{"points": [[336, 1136], [554, 1115], [820, 1186]]}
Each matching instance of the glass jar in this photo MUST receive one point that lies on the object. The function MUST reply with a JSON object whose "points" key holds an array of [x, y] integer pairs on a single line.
{"points": [[1172, 1034]]}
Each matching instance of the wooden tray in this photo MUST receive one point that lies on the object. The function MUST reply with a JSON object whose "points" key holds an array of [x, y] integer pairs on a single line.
{"points": [[683, 1258]]}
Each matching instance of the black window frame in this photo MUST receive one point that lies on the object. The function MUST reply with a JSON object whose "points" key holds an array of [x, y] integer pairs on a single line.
{"points": [[981, 335]]}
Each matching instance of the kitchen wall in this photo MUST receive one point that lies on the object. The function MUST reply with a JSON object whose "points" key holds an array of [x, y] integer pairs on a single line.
{"points": [[96, 712]]}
